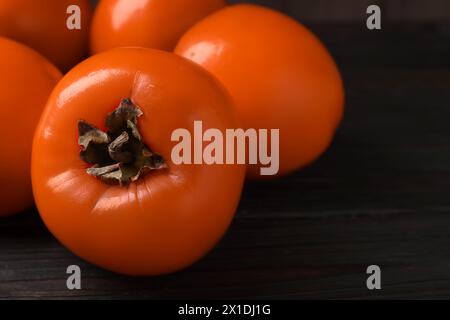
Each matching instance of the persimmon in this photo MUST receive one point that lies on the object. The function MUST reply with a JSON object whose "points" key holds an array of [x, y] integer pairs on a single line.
{"points": [[279, 74], [26, 81], [103, 176], [157, 24], [42, 25]]}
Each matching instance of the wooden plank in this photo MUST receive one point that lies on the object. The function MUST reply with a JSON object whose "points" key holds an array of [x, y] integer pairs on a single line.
{"points": [[259, 258], [327, 11], [418, 10]]}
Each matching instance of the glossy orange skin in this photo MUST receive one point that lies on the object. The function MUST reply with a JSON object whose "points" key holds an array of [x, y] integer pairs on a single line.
{"points": [[279, 74], [168, 219], [26, 81], [157, 24], [41, 24]]}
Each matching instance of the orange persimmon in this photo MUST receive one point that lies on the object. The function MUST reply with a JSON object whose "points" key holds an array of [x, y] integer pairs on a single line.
{"points": [[41, 24], [279, 74], [157, 24], [119, 214], [26, 81]]}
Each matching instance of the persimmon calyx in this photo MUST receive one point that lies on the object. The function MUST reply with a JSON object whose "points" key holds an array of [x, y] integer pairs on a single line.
{"points": [[119, 156]]}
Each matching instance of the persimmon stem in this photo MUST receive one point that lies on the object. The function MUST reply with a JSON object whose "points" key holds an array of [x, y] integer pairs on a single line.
{"points": [[119, 156]]}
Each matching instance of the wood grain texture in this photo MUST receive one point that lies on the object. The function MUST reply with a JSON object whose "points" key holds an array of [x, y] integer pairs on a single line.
{"points": [[380, 195]]}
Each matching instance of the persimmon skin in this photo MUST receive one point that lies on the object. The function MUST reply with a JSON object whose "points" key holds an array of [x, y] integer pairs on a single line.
{"points": [[279, 74], [156, 24], [168, 219], [41, 25], [26, 81]]}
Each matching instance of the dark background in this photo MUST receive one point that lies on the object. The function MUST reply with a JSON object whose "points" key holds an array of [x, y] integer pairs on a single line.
{"points": [[380, 195], [326, 11]]}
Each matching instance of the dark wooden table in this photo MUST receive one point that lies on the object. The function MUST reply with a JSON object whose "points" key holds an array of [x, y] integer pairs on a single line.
{"points": [[380, 195]]}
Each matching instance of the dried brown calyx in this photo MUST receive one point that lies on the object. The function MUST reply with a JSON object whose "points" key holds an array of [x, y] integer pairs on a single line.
{"points": [[119, 156]]}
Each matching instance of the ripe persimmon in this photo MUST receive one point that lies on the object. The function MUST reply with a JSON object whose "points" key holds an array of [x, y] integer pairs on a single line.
{"points": [[157, 24], [279, 74], [26, 81], [42, 25], [121, 203]]}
